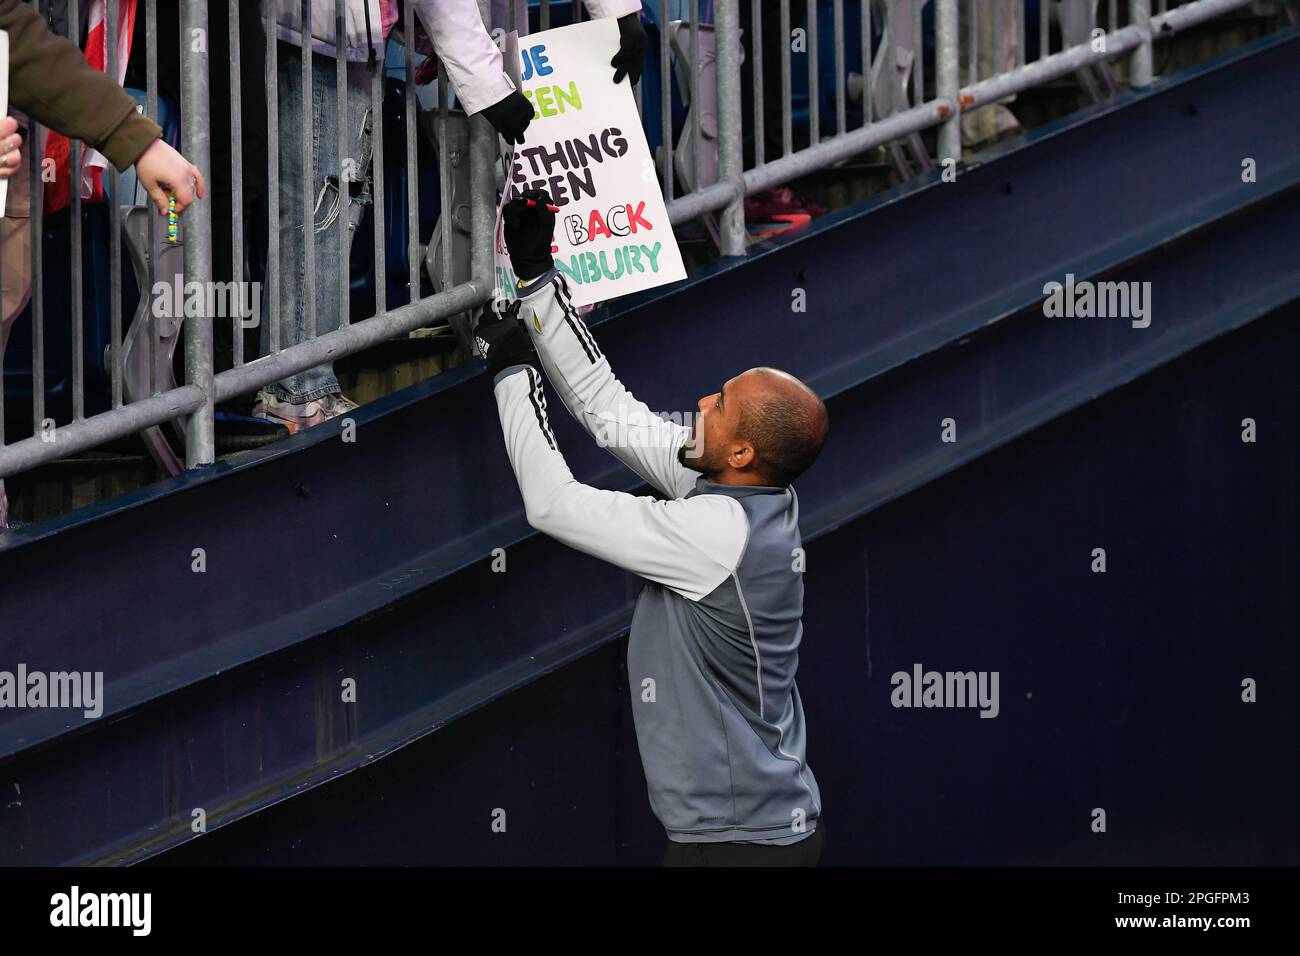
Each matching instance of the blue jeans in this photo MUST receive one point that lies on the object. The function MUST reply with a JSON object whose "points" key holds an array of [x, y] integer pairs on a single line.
{"points": [[327, 256]]}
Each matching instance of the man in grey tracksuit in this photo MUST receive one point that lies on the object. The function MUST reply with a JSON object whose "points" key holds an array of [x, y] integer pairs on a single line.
{"points": [[715, 637]]}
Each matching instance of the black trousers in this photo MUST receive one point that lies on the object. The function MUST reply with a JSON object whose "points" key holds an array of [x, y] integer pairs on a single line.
{"points": [[806, 852]]}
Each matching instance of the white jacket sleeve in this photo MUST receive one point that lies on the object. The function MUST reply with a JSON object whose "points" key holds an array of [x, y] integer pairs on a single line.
{"points": [[581, 376], [690, 545], [612, 8], [472, 60]]}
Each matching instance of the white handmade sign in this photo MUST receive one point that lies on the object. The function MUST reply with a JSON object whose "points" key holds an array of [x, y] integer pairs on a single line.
{"points": [[586, 148]]}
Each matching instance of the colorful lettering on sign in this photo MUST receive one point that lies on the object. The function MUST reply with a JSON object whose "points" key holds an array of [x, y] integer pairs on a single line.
{"points": [[621, 220], [585, 267], [553, 100], [535, 61]]}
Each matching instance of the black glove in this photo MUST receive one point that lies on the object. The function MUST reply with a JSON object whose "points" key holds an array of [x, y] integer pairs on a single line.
{"points": [[510, 116], [502, 340], [630, 58], [529, 229]]}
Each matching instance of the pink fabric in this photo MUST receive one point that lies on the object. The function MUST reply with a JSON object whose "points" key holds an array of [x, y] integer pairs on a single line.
{"points": [[388, 15]]}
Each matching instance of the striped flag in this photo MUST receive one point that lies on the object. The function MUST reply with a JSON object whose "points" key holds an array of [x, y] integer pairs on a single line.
{"points": [[93, 163]]}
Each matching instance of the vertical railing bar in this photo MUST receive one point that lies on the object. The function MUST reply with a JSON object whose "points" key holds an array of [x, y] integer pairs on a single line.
{"points": [[890, 69], [868, 86], [840, 92], [484, 161], [665, 101], [545, 15], [947, 76], [1044, 33], [787, 105], [151, 107], [1112, 16], [731, 155], [483, 147], [272, 178], [346, 164], [200, 446], [918, 54], [1, 364], [2, 358], [78, 289], [972, 44], [444, 182], [111, 190], [30, 148], [377, 208], [998, 27], [38, 283], [756, 70], [412, 184], [308, 174], [1140, 64], [814, 93], [696, 100], [241, 297], [1022, 29]]}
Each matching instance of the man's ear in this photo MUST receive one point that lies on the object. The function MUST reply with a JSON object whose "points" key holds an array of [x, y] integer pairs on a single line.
{"points": [[741, 457]]}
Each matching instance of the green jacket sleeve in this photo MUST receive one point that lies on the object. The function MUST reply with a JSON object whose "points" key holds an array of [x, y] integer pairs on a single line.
{"points": [[51, 82]]}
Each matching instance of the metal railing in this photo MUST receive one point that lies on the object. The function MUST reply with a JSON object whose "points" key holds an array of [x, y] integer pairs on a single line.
{"points": [[895, 105]]}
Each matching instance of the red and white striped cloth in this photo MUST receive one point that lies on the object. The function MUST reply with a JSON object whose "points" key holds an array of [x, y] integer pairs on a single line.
{"points": [[93, 162]]}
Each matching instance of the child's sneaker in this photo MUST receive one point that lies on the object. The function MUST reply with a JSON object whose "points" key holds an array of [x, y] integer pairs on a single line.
{"points": [[335, 404]]}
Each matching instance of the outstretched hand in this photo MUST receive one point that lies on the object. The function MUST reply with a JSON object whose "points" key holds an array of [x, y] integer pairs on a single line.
{"points": [[502, 341], [529, 227], [164, 172]]}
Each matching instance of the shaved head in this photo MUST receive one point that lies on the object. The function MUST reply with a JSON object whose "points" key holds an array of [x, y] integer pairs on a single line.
{"points": [[763, 427], [784, 420]]}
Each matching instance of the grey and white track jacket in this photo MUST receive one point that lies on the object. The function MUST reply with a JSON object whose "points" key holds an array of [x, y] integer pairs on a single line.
{"points": [[715, 637]]}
